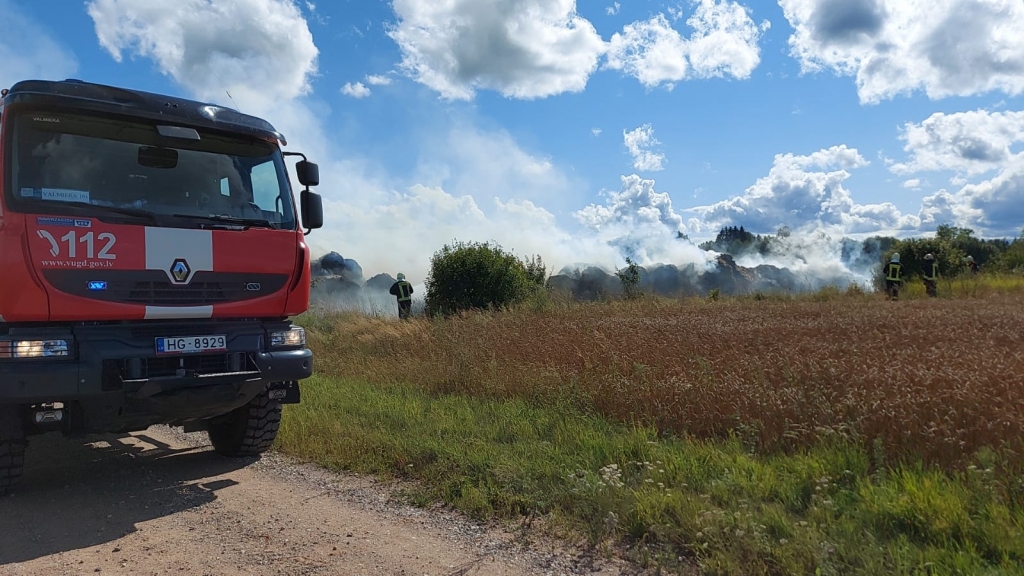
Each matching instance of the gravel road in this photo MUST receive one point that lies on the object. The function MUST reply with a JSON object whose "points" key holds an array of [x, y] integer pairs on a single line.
{"points": [[161, 502]]}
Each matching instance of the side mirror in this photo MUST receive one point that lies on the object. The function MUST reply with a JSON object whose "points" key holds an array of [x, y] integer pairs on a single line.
{"points": [[312, 208], [307, 172]]}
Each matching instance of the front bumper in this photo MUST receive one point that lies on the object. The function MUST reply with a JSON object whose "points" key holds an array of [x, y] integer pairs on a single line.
{"points": [[114, 381]]}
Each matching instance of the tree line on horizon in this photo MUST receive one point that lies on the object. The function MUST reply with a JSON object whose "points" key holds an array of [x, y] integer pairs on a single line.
{"points": [[951, 246]]}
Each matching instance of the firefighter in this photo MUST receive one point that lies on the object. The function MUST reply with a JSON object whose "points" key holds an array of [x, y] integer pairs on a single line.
{"points": [[931, 275], [894, 277], [402, 290], [972, 265]]}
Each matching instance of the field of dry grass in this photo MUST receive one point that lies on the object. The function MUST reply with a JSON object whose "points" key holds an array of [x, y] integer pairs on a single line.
{"points": [[930, 380], [832, 433]]}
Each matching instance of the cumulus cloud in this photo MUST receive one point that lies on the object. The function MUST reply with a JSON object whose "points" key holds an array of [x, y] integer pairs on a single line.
{"points": [[893, 47], [724, 42], [260, 51], [913, 184], [29, 51], [520, 48], [639, 222], [355, 90], [808, 189], [613, 9], [994, 207], [969, 143], [638, 141]]}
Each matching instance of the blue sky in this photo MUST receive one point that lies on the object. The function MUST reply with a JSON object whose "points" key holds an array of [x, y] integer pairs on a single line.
{"points": [[588, 131]]}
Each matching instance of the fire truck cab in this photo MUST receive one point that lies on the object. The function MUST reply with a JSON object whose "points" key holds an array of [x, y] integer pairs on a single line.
{"points": [[152, 255]]}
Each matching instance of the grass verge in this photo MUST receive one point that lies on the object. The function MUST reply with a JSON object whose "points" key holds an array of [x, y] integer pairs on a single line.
{"points": [[693, 505]]}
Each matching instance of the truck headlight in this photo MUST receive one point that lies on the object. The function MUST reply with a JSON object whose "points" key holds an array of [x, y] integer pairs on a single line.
{"points": [[34, 349], [295, 336]]}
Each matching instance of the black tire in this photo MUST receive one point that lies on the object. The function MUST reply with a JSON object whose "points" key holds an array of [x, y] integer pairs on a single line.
{"points": [[246, 431], [12, 461]]}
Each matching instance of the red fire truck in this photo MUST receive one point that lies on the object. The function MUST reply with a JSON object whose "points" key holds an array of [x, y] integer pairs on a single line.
{"points": [[151, 257]]}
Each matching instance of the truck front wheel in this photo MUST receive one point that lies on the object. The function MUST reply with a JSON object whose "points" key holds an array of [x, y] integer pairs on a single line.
{"points": [[12, 460], [246, 431]]}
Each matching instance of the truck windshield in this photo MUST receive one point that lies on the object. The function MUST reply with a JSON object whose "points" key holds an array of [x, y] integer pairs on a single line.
{"points": [[78, 163]]}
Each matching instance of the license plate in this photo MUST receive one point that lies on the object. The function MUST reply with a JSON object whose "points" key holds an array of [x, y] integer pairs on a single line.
{"points": [[191, 344]]}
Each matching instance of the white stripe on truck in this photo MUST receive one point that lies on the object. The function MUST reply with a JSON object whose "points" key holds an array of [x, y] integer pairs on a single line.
{"points": [[177, 312]]}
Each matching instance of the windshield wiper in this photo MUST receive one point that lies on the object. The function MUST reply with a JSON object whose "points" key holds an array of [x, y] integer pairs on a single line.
{"points": [[121, 210], [230, 219]]}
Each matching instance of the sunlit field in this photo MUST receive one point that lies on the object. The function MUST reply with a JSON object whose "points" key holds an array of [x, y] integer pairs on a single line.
{"points": [[930, 378], [883, 409]]}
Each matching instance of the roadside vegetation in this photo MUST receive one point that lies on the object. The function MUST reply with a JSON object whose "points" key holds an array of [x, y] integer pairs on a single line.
{"points": [[828, 433]]}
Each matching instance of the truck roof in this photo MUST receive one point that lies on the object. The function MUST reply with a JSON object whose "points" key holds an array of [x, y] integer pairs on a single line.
{"points": [[99, 97]]}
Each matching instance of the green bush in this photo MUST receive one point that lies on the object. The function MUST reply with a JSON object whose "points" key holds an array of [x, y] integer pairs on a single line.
{"points": [[473, 275], [630, 279]]}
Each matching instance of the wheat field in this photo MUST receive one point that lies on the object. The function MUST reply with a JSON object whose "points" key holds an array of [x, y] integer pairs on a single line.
{"points": [[921, 379]]}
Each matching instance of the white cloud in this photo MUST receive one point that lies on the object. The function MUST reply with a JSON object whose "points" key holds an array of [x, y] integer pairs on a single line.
{"points": [[356, 90], [893, 47], [595, 131], [520, 48], [468, 161], [261, 51], [652, 52], [636, 203], [724, 42], [388, 226], [29, 51], [378, 80], [640, 222], [638, 141], [994, 207], [913, 184], [808, 189], [613, 9], [971, 142]]}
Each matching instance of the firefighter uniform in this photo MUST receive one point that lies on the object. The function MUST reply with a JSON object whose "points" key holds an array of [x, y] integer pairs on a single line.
{"points": [[931, 275], [402, 291], [894, 277]]}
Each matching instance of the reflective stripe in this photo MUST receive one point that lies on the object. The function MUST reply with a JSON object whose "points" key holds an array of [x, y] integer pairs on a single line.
{"points": [[893, 273], [404, 291], [934, 273]]}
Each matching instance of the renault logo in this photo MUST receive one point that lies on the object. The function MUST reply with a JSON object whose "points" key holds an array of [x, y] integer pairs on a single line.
{"points": [[180, 270]]}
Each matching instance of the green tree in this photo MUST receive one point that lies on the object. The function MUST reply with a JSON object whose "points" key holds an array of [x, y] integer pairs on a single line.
{"points": [[1012, 259], [536, 271], [630, 278], [468, 275]]}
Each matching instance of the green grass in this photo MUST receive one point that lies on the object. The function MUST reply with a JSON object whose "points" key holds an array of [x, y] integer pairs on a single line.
{"points": [[675, 503]]}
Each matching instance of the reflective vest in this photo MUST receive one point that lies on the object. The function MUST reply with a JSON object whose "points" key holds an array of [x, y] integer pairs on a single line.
{"points": [[893, 272], [404, 291], [931, 272]]}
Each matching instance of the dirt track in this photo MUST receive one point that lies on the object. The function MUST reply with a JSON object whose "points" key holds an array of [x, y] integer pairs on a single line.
{"points": [[160, 502]]}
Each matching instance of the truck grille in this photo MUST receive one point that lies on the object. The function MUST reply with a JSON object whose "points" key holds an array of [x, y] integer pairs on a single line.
{"points": [[203, 364], [116, 372], [167, 294], [153, 288]]}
